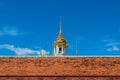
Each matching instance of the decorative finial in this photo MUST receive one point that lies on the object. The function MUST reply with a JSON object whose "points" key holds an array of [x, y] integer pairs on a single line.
{"points": [[41, 49], [76, 49], [60, 24]]}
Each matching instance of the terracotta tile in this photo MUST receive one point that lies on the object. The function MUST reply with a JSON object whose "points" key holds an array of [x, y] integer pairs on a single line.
{"points": [[60, 66]]}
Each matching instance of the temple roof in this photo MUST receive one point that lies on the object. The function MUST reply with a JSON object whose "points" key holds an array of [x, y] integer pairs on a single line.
{"points": [[60, 66], [60, 40]]}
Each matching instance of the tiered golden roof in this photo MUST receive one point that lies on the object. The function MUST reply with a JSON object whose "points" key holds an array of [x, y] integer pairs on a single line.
{"points": [[60, 41]]}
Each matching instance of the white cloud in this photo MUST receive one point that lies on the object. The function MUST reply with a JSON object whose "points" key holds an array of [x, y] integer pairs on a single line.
{"points": [[22, 51], [9, 31], [113, 48], [112, 45]]}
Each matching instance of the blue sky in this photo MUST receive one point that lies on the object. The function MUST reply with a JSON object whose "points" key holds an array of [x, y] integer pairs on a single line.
{"points": [[27, 24]]}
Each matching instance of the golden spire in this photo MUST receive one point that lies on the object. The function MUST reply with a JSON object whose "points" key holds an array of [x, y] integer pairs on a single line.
{"points": [[76, 49], [60, 29], [60, 33], [60, 40], [60, 24]]}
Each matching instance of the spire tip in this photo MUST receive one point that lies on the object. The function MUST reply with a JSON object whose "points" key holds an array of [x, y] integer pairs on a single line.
{"points": [[60, 24]]}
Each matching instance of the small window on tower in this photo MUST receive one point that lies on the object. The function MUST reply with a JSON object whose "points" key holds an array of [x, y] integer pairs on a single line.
{"points": [[60, 50]]}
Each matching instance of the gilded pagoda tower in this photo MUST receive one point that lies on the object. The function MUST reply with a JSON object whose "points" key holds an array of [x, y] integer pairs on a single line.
{"points": [[60, 45]]}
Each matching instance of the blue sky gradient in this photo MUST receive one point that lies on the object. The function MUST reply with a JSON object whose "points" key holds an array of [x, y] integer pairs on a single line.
{"points": [[94, 24]]}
